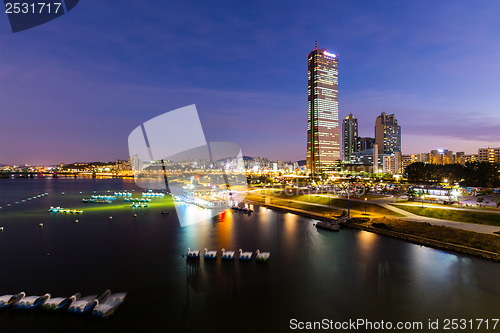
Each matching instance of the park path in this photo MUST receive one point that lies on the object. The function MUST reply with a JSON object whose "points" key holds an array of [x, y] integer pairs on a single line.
{"points": [[451, 208], [481, 228]]}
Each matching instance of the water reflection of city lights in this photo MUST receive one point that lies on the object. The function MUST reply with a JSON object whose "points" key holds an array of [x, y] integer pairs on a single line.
{"points": [[290, 225], [225, 227], [367, 240]]}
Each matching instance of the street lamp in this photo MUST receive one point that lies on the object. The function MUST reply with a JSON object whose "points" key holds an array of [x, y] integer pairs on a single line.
{"points": [[348, 201], [365, 205]]}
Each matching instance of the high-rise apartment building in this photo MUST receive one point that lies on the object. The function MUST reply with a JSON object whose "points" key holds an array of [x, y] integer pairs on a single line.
{"points": [[405, 161], [350, 137], [491, 155], [387, 134], [323, 142]]}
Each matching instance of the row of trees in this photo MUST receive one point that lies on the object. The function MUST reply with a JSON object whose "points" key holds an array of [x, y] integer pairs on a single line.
{"points": [[481, 174]]}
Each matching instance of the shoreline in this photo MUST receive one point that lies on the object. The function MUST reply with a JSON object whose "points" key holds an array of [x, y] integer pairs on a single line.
{"points": [[436, 244]]}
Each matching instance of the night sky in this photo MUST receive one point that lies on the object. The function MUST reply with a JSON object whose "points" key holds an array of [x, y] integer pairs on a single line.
{"points": [[74, 88]]}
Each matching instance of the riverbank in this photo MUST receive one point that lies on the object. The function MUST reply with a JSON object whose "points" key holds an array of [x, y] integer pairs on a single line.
{"points": [[454, 214], [456, 240], [450, 239]]}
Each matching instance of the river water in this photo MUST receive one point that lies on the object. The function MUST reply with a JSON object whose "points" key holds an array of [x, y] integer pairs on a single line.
{"points": [[312, 274]]}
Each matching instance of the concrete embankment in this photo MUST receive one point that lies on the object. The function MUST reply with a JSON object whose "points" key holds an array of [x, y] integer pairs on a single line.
{"points": [[428, 242]]}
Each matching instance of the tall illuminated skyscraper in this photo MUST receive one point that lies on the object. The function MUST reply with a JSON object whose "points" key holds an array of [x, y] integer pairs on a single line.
{"points": [[323, 144]]}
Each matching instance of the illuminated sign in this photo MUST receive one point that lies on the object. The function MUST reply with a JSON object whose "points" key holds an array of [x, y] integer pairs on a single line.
{"points": [[329, 54]]}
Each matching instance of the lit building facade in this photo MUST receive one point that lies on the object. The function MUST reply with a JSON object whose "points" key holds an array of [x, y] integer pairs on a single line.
{"points": [[350, 137], [323, 142], [135, 163], [442, 157], [471, 158], [387, 134], [391, 164], [491, 155], [405, 161]]}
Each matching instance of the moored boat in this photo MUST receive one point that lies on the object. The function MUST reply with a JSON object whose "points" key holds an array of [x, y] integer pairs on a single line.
{"points": [[10, 300], [59, 303], [193, 253], [88, 303], [108, 307], [32, 302]]}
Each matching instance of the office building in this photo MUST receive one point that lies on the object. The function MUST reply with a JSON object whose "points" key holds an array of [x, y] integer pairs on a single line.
{"points": [[387, 134], [350, 137], [323, 142], [365, 143]]}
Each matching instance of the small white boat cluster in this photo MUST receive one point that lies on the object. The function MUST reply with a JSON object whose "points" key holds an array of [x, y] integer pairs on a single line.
{"points": [[64, 210], [139, 205], [153, 194], [104, 197], [103, 305], [137, 200], [27, 199], [228, 255], [123, 194]]}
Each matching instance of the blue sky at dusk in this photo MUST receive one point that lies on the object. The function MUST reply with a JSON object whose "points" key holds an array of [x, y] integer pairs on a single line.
{"points": [[74, 88]]}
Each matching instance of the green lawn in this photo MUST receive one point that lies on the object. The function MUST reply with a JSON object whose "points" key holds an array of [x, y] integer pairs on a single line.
{"points": [[455, 215], [333, 202], [440, 233]]}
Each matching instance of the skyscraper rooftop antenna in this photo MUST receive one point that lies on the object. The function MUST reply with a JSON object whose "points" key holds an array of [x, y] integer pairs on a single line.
{"points": [[316, 45]]}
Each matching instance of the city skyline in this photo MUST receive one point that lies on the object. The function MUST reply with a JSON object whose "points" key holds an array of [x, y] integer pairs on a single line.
{"points": [[94, 77]]}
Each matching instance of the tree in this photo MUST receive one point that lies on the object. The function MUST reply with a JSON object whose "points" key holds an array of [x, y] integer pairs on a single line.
{"points": [[411, 193], [480, 199], [481, 174]]}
